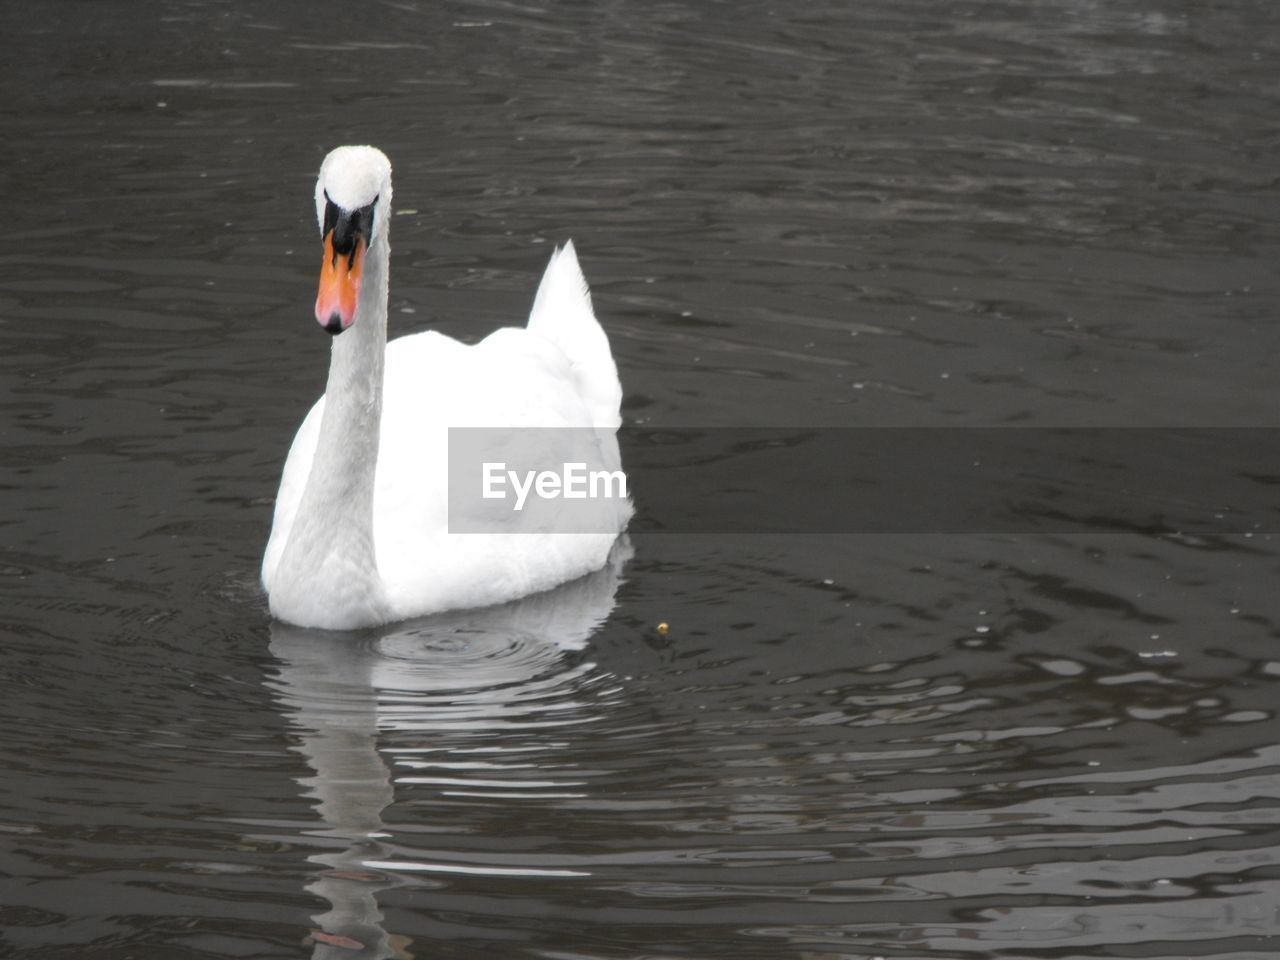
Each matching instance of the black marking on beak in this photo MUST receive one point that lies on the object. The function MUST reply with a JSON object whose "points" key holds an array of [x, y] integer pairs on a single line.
{"points": [[334, 326], [347, 227]]}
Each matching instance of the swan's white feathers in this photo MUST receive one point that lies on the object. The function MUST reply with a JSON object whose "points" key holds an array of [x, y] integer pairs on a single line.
{"points": [[511, 378], [562, 314], [293, 480]]}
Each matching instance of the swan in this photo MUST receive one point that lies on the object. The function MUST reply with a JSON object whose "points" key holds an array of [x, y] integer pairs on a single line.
{"points": [[361, 534]]}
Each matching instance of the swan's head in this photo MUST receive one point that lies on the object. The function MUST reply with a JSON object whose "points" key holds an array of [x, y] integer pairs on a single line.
{"points": [[353, 199]]}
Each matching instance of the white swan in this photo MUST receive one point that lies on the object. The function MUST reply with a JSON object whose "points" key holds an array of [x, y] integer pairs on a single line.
{"points": [[361, 534]]}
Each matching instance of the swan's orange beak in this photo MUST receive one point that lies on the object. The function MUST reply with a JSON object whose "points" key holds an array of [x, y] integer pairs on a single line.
{"points": [[339, 285]]}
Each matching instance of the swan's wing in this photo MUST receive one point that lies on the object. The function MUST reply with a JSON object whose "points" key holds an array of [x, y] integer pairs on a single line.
{"points": [[513, 378], [297, 467], [562, 313]]}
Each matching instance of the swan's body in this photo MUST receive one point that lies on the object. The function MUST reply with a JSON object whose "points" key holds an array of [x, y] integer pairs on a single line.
{"points": [[361, 534]]}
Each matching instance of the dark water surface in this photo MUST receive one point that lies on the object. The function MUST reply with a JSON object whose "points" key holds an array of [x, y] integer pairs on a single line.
{"points": [[975, 214]]}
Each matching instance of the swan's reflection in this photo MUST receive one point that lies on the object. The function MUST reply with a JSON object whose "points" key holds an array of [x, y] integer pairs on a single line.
{"points": [[472, 670]]}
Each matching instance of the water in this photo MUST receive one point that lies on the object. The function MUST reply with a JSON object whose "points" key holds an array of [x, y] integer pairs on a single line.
{"points": [[911, 746]]}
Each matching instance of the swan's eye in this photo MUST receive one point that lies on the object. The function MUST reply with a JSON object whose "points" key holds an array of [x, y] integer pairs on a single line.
{"points": [[330, 215], [364, 218]]}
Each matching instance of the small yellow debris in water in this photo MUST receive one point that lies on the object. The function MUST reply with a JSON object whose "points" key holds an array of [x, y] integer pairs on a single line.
{"points": [[663, 627]]}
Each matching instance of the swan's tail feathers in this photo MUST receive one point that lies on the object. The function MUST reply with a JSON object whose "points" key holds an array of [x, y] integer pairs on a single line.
{"points": [[562, 314]]}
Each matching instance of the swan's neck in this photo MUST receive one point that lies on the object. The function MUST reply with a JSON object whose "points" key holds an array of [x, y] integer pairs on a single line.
{"points": [[331, 554]]}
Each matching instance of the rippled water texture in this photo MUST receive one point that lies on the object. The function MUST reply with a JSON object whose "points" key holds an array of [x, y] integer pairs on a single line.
{"points": [[972, 214]]}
